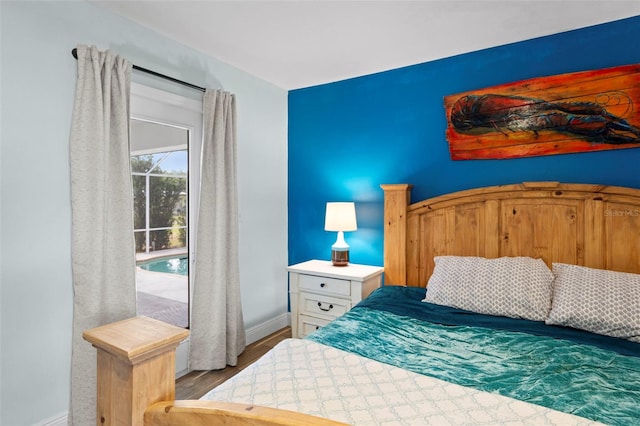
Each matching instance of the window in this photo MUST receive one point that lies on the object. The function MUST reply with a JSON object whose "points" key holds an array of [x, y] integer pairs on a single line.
{"points": [[160, 200]]}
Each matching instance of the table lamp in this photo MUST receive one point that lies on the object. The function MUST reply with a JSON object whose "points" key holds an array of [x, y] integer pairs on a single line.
{"points": [[340, 217]]}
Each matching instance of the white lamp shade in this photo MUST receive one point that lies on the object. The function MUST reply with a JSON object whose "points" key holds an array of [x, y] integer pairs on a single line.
{"points": [[340, 217]]}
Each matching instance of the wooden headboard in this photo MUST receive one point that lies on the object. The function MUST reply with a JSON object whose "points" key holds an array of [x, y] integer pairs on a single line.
{"points": [[583, 224]]}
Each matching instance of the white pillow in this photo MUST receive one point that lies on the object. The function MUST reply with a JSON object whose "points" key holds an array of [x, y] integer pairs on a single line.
{"points": [[596, 300], [516, 287]]}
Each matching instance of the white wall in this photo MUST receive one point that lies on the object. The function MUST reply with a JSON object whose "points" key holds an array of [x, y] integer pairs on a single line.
{"points": [[38, 81]]}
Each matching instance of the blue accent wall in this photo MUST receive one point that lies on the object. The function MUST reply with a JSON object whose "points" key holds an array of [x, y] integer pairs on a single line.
{"points": [[348, 137]]}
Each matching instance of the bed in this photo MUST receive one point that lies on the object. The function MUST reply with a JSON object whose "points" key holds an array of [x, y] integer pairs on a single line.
{"points": [[531, 316]]}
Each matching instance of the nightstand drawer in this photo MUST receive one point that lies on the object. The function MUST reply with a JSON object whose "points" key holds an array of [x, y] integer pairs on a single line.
{"points": [[327, 307], [307, 325], [324, 285]]}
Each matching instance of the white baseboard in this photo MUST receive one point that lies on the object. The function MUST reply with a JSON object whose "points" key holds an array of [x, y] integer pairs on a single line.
{"points": [[260, 331], [59, 420]]}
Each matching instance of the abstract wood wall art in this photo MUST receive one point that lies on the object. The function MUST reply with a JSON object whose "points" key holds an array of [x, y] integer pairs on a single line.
{"points": [[577, 112]]}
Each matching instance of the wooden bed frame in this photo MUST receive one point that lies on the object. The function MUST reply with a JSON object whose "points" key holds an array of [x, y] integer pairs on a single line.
{"points": [[136, 383], [592, 225]]}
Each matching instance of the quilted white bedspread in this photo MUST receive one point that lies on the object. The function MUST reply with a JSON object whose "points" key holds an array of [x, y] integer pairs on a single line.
{"points": [[308, 377]]}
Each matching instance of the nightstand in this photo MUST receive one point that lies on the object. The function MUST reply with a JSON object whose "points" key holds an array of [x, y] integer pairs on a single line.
{"points": [[321, 292]]}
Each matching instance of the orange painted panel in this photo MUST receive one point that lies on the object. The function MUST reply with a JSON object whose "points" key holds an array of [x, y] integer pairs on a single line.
{"points": [[576, 112]]}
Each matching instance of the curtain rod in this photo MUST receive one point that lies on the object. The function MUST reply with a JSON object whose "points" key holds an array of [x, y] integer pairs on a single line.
{"points": [[74, 52]]}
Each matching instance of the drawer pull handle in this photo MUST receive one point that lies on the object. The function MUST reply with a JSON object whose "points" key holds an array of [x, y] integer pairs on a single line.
{"points": [[323, 285], [324, 309]]}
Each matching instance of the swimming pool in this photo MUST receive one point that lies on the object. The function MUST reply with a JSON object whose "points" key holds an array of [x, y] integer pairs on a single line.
{"points": [[168, 265]]}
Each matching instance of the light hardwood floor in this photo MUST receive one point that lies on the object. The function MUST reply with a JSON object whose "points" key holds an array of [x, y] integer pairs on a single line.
{"points": [[197, 383]]}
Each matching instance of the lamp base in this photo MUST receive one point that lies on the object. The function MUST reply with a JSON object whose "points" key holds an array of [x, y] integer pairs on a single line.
{"points": [[340, 257]]}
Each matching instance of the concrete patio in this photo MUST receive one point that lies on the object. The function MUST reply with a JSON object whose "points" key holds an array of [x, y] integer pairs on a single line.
{"points": [[162, 296]]}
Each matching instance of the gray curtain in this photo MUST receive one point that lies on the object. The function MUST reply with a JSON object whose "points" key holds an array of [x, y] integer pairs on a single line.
{"points": [[217, 328], [103, 252]]}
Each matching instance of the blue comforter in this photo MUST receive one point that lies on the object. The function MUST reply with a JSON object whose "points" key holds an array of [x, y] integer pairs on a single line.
{"points": [[593, 376]]}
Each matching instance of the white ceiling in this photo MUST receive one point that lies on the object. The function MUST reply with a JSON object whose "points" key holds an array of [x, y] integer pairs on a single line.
{"points": [[295, 44]]}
